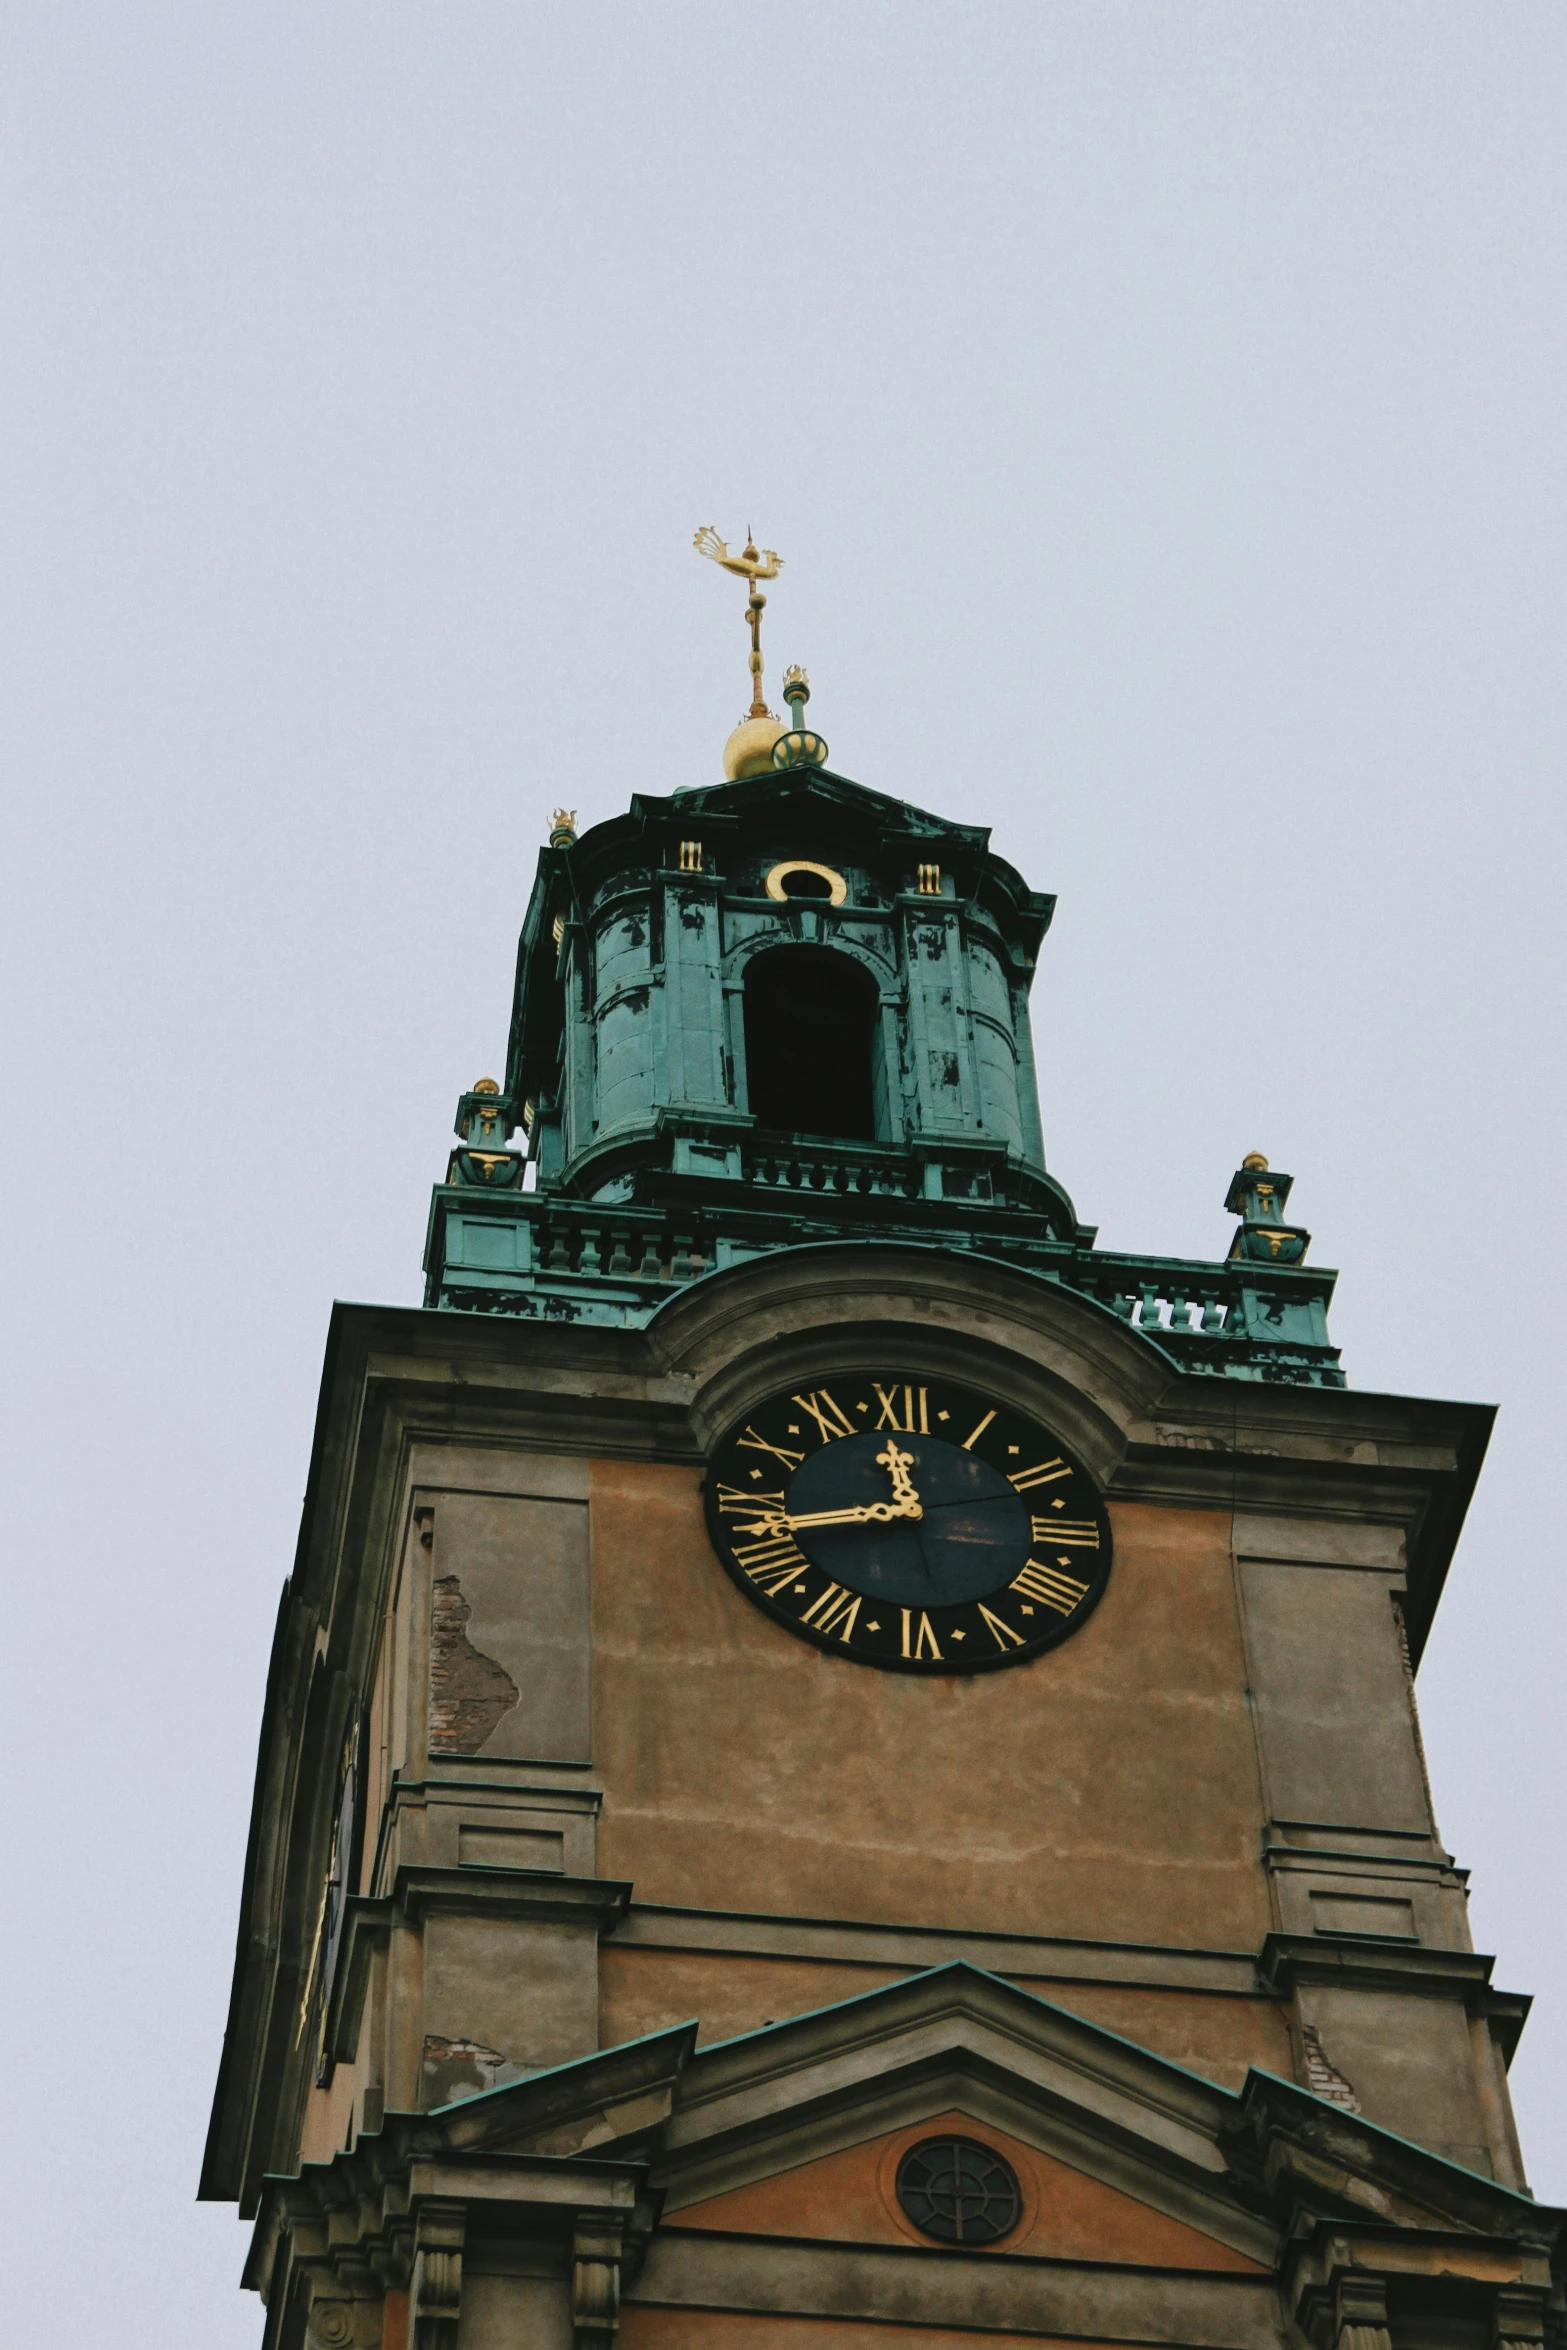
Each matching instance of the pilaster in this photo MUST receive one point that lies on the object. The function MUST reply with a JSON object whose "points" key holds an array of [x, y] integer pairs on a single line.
{"points": [[435, 2294], [522, 1944], [1396, 2026], [597, 2246]]}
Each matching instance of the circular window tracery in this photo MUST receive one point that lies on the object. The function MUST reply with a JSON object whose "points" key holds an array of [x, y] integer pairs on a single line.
{"points": [[958, 2191]]}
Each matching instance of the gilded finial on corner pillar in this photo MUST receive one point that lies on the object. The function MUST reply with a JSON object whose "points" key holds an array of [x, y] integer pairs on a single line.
{"points": [[749, 750], [563, 828], [800, 747], [1259, 1195]]}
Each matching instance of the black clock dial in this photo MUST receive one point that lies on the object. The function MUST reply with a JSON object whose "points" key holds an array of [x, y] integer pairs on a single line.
{"points": [[925, 1527], [972, 1532]]}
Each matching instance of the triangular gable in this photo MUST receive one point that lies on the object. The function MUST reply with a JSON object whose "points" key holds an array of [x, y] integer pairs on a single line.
{"points": [[850, 2197], [1121, 2144]]}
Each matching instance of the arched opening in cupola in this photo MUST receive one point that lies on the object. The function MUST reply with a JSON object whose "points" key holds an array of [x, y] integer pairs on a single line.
{"points": [[810, 1043]]}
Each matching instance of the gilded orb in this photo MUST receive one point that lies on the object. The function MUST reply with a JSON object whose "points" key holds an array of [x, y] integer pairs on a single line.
{"points": [[749, 750]]}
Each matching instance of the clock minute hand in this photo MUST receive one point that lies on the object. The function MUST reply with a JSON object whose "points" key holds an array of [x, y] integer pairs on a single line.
{"points": [[871, 1513], [874, 1513]]}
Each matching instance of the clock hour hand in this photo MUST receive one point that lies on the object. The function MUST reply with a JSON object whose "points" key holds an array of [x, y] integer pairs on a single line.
{"points": [[905, 1502], [897, 1465]]}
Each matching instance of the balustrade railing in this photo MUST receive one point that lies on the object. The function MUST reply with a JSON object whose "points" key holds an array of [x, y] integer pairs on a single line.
{"points": [[543, 1256], [840, 1171]]}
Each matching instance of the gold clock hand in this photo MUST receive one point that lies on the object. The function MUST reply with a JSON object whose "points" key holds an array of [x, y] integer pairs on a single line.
{"points": [[905, 1503], [897, 1465], [880, 1513]]}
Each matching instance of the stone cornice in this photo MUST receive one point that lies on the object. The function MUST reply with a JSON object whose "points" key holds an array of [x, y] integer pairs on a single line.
{"points": [[1370, 1965], [1362, 1963]]}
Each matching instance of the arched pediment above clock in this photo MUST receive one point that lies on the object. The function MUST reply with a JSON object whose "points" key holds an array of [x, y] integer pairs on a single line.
{"points": [[807, 1312]]}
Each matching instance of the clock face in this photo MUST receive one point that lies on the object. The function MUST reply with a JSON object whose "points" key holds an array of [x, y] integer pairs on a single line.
{"points": [[931, 1529]]}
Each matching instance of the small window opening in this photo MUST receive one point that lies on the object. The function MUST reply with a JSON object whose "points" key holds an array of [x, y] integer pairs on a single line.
{"points": [[810, 1033], [798, 883]]}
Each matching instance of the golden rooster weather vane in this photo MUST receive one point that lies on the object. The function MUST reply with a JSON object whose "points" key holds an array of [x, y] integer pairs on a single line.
{"points": [[754, 564], [761, 741]]}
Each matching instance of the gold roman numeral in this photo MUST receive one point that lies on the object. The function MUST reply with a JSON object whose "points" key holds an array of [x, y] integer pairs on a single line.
{"points": [[1062, 1592], [770, 1564], [1001, 1633], [969, 1442], [780, 1452], [733, 1500], [924, 1639], [1024, 1480], [831, 1420], [909, 1425], [1079, 1531], [836, 1608]]}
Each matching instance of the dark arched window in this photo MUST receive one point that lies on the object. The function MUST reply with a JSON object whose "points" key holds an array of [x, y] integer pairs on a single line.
{"points": [[810, 1030]]}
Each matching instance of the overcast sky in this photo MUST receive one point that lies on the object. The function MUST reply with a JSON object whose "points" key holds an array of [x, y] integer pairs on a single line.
{"points": [[1159, 408]]}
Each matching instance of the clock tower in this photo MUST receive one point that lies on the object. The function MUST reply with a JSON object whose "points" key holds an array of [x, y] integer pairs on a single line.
{"points": [[840, 1764]]}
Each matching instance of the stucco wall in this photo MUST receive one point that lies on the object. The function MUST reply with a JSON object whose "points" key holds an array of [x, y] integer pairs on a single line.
{"points": [[1108, 1790]]}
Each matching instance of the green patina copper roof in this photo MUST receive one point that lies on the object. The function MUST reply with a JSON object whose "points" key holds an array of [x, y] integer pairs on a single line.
{"points": [[646, 1169]]}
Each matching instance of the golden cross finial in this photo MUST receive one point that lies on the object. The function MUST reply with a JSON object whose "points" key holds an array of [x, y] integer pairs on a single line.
{"points": [[754, 564]]}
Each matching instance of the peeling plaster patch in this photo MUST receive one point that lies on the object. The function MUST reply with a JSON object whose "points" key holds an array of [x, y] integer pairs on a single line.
{"points": [[461, 2068], [1324, 2079], [469, 1691]]}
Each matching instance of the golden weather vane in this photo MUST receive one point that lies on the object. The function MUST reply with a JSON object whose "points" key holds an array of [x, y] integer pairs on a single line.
{"points": [[753, 564]]}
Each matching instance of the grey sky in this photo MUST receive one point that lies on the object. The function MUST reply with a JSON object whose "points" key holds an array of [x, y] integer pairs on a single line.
{"points": [[1159, 409]]}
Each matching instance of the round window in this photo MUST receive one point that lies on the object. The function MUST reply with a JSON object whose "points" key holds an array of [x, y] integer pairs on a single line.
{"points": [[797, 877], [957, 2191]]}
